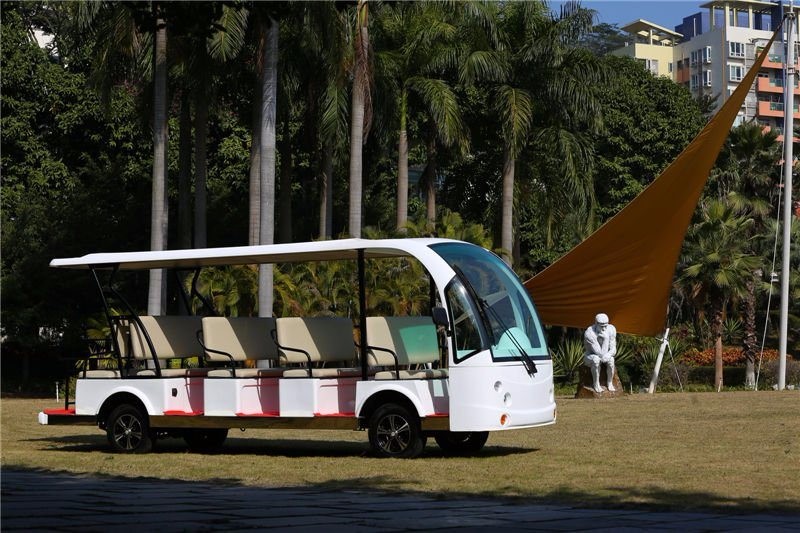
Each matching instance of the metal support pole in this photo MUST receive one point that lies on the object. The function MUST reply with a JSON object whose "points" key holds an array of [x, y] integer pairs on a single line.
{"points": [[362, 312], [788, 158], [654, 380]]}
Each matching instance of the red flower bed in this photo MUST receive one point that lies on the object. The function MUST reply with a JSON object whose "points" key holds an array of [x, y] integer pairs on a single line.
{"points": [[730, 356]]}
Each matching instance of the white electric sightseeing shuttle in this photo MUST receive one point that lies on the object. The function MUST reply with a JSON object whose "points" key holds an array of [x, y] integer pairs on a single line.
{"points": [[476, 362]]}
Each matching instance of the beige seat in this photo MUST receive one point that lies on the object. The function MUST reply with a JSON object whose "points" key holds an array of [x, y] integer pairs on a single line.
{"points": [[173, 337], [100, 374], [400, 343], [235, 340], [316, 341]]}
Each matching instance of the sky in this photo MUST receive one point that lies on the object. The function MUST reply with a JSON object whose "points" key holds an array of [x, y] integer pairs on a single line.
{"points": [[666, 13]]}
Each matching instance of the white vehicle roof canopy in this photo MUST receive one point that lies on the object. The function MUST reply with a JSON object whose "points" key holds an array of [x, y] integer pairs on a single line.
{"points": [[242, 255]]}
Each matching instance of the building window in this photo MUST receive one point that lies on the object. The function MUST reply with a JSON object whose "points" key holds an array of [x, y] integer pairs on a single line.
{"points": [[735, 72], [694, 81], [694, 55], [736, 49], [706, 54], [707, 78], [651, 65], [669, 67]]}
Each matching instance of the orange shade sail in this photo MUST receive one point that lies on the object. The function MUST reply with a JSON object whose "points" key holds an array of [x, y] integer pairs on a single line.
{"points": [[625, 268]]}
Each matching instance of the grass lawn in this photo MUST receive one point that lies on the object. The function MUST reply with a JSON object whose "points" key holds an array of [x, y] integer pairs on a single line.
{"points": [[734, 450]]}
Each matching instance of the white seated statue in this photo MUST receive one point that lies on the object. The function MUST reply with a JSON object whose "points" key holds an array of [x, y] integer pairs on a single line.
{"points": [[600, 345]]}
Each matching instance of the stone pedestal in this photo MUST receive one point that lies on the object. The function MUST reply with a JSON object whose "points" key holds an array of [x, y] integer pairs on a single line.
{"points": [[585, 384]]}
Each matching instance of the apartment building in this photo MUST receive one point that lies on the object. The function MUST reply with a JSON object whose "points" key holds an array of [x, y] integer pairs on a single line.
{"points": [[710, 52]]}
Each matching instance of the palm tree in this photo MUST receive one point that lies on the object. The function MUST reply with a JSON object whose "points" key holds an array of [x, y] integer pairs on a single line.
{"points": [[318, 76], [269, 86], [716, 266], [332, 106], [159, 220], [360, 117], [547, 96], [123, 31], [224, 45], [421, 39], [746, 178]]}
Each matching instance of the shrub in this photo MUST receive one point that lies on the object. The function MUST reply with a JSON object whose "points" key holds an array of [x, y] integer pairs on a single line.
{"points": [[673, 376], [769, 373], [732, 376], [567, 359], [730, 356]]}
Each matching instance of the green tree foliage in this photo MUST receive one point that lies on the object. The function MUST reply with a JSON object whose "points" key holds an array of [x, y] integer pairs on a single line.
{"points": [[604, 38], [717, 266], [649, 120], [746, 178], [74, 180]]}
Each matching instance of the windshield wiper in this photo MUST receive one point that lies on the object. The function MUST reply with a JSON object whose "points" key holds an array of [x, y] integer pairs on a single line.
{"points": [[483, 308]]}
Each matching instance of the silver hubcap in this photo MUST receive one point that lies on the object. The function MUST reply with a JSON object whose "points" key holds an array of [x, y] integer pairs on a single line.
{"points": [[128, 432], [394, 433]]}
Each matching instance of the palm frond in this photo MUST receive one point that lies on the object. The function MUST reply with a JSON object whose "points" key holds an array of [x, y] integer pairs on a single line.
{"points": [[229, 39]]}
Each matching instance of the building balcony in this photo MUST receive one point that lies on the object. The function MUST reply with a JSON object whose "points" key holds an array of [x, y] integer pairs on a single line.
{"points": [[774, 109], [773, 61], [773, 85]]}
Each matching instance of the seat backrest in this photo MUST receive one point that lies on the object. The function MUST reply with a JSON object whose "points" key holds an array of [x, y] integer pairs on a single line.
{"points": [[242, 337], [173, 337], [323, 338], [412, 338]]}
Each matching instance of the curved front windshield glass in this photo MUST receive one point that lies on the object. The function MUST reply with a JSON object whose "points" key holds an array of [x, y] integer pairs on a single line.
{"points": [[505, 308]]}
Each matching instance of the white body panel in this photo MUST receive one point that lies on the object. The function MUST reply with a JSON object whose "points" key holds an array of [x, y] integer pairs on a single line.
{"points": [[241, 396], [184, 395], [483, 391], [429, 396]]}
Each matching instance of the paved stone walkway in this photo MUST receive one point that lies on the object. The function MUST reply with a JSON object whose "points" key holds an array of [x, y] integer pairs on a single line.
{"points": [[41, 501]]}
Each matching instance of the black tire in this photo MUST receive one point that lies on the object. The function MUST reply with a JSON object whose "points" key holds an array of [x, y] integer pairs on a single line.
{"points": [[461, 442], [394, 431], [128, 430], [205, 440]]}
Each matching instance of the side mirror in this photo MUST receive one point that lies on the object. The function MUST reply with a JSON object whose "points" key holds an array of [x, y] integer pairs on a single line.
{"points": [[440, 317]]}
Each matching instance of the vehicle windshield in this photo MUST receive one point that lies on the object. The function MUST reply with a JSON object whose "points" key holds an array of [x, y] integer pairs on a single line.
{"points": [[509, 317]]}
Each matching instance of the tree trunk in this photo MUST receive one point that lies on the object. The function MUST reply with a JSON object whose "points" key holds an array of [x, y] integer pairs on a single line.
{"points": [[184, 175], [716, 330], [285, 191], [269, 89], [749, 339], [356, 146], [184, 186], [159, 214], [402, 170], [429, 177], [326, 192], [200, 164], [254, 224], [507, 227], [358, 102]]}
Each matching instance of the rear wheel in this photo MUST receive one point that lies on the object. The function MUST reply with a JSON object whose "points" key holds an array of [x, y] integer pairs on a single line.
{"points": [[205, 440], [461, 442], [128, 430], [394, 431]]}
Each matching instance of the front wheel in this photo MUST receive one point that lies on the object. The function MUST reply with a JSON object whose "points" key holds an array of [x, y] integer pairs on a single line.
{"points": [[394, 431], [461, 442], [128, 430]]}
